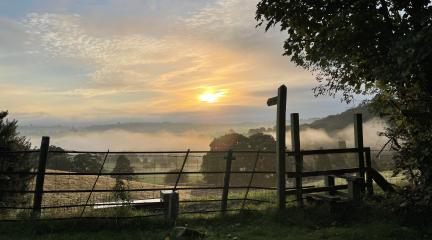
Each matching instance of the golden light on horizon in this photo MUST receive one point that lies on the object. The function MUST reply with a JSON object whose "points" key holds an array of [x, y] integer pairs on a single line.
{"points": [[211, 96]]}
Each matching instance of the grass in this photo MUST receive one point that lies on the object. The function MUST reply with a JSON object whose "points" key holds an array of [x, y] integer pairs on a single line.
{"points": [[372, 220]]}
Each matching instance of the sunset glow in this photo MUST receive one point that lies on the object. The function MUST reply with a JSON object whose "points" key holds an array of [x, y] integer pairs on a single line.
{"points": [[89, 61], [211, 97]]}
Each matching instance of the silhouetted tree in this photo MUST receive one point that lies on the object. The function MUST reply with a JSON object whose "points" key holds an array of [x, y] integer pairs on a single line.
{"points": [[120, 188], [123, 165], [14, 162], [59, 160], [215, 161], [86, 163], [370, 47]]}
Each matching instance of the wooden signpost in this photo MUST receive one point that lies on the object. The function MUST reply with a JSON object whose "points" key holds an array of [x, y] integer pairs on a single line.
{"points": [[280, 101]]}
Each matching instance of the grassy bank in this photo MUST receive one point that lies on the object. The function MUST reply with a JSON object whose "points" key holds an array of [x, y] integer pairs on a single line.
{"points": [[369, 221]]}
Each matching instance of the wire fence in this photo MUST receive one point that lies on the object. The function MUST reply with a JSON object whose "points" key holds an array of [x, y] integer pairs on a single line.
{"points": [[125, 184]]}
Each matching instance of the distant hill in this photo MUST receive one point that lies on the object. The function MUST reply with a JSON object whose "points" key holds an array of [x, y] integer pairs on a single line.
{"points": [[339, 121]]}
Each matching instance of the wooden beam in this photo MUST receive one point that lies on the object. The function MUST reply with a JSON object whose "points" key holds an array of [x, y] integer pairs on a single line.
{"points": [[281, 146], [272, 101], [358, 140], [227, 176], [295, 143], [40, 177]]}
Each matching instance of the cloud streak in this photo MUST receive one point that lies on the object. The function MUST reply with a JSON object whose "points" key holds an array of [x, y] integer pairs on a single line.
{"points": [[98, 59]]}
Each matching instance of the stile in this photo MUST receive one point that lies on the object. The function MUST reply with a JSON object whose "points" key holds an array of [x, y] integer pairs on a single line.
{"points": [[40, 177], [295, 144]]}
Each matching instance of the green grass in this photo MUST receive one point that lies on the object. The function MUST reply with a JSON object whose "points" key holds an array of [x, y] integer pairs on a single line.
{"points": [[373, 220]]}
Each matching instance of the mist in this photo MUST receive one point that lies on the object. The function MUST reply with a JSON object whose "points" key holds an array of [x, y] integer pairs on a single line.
{"points": [[312, 138], [121, 140], [164, 140]]}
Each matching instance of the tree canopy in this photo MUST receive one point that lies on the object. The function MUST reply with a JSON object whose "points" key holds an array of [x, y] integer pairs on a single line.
{"points": [[214, 160], [123, 165], [379, 47], [10, 141]]}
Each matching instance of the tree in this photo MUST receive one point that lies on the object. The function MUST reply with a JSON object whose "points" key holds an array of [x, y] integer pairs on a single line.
{"points": [[378, 47], [10, 141], [123, 165], [58, 159], [120, 190], [214, 160], [87, 163]]}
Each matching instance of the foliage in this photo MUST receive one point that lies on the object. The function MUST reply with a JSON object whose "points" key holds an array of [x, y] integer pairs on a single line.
{"points": [[380, 47], [371, 222], [10, 162], [59, 160], [121, 194], [87, 163], [123, 165], [214, 160]]}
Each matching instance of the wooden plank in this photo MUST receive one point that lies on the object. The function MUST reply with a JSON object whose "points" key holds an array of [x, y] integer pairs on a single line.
{"points": [[327, 151], [40, 177], [226, 186], [150, 203], [317, 189], [281, 146], [295, 143], [272, 101], [324, 172]]}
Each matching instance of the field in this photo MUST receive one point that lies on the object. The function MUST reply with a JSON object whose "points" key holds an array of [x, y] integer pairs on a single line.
{"points": [[373, 220]]}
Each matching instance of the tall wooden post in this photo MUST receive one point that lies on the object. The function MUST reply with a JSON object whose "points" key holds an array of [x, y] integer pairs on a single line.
{"points": [[369, 181], [40, 177], [358, 140], [227, 176], [280, 100], [295, 142]]}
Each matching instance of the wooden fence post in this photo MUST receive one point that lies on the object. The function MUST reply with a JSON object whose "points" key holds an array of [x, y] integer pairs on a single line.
{"points": [[358, 139], [295, 143], [280, 101], [40, 177], [369, 183], [227, 176]]}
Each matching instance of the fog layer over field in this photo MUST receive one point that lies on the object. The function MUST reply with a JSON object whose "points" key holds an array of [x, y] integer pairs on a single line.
{"points": [[315, 138], [121, 140], [128, 140]]}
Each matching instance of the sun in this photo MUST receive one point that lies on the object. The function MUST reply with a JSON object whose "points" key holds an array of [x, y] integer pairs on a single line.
{"points": [[211, 96]]}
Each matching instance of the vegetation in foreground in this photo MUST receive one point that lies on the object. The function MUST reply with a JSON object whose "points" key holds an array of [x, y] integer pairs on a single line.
{"points": [[370, 221]]}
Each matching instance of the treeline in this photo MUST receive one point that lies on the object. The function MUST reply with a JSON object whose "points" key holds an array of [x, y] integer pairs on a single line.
{"points": [[331, 123]]}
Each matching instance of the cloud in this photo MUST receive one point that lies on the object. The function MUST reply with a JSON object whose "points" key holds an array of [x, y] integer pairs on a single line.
{"points": [[148, 59]]}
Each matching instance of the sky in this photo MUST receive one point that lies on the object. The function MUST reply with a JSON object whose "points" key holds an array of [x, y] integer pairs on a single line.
{"points": [[146, 60]]}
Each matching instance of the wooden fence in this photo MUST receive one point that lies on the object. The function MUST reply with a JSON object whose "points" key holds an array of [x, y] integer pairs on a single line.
{"points": [[362, 170]]}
